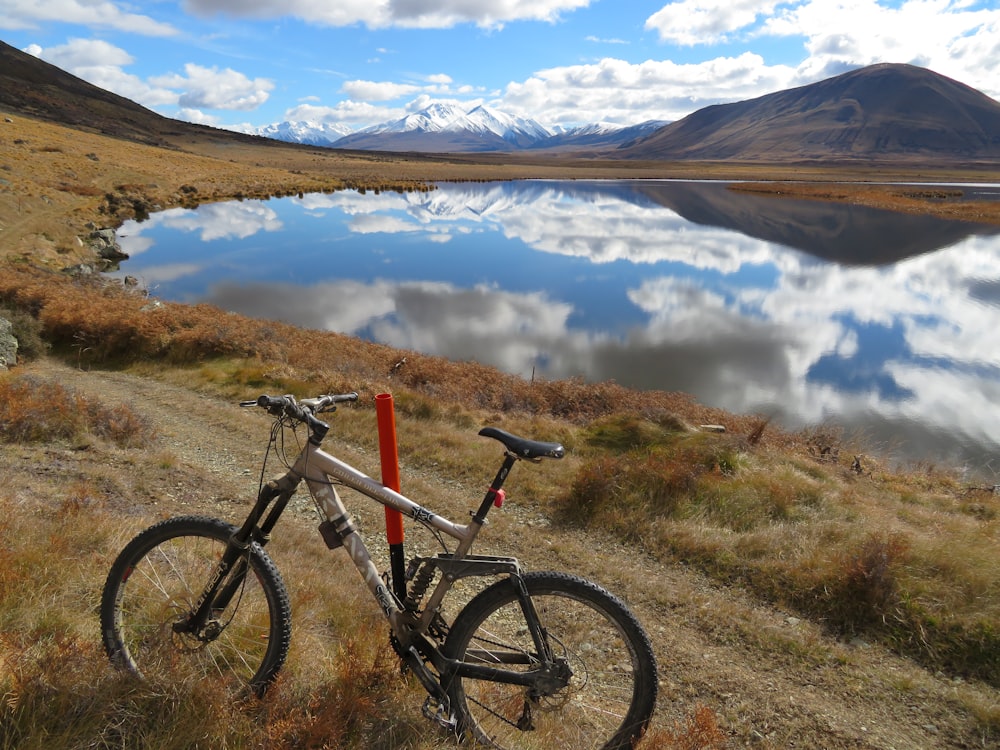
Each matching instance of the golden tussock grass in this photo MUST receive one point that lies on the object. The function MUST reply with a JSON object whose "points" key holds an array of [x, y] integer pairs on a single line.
{"points": [[868, 553]]}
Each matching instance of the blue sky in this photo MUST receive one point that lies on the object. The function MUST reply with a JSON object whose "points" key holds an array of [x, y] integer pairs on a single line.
{"points": [[234, 63]]}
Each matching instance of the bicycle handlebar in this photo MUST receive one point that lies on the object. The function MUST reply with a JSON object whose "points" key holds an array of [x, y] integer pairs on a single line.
{"points": [[303, 410]]}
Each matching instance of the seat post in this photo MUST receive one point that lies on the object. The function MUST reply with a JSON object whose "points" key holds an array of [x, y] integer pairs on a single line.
{"points": [[508, 463]]}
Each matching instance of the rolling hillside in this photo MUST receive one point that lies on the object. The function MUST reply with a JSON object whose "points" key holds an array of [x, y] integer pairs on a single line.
{"points": [[879, 113], [30, 86]]}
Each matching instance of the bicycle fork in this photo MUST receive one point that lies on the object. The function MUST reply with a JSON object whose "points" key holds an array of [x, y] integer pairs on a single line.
{"points": [[230, 572]]}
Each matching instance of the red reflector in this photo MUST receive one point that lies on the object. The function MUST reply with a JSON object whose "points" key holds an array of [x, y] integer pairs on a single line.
{"points": [[498, 497]]}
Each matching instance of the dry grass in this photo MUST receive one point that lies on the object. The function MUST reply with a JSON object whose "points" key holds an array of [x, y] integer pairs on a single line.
{"points": [[59, 691], [904, 560], [33, 411], [901, 559], [100, 324], [946, 203], [341, 687]]}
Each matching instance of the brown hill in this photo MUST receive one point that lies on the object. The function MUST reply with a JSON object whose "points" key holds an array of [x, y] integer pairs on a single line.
{"points": [[33, 87], [899, 113], [879, 113]]}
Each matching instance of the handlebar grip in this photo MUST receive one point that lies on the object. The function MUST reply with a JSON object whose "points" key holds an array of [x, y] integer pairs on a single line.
{"points": [[271, 402]]}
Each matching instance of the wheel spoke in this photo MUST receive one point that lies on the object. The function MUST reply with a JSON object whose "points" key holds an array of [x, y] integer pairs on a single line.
{"points": [[155, 582], [611, 687]]}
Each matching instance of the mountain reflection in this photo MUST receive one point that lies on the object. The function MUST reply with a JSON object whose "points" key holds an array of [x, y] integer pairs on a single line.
{"points": [[805, 311]]}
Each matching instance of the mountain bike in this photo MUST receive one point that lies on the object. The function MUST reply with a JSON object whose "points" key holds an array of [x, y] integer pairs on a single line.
{"points": [[533, 660]]}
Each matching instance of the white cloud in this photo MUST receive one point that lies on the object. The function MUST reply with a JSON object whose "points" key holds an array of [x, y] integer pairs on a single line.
{"points": [[484, 13], [29, 14], [360, 113], [614, 90], [234, 220], [952, 37], [948, 36], [83, 53], [196, 116], [426, 14], [212, 88], [101, 63], [691, 22]]}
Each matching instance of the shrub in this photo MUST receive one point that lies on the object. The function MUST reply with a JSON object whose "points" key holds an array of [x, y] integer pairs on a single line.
{"points": [[699, 731], [629, 431], [864, 591], [36, 410], [28, 332]]}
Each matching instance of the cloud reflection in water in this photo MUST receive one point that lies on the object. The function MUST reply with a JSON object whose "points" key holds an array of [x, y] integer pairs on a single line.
{"points": [[688, 287]]}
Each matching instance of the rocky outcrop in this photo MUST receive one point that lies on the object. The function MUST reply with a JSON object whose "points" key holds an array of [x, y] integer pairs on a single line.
{"points": [[105, 245], [8, 345]]}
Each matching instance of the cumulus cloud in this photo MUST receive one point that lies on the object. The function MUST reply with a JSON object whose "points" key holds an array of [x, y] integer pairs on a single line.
{"points": [[426, 14], [691, 22], [348, 111], [955, 39], [952, 38], [485, 13], [235, 220], [101, 64], [212, 88], [958, 39], [196, 116], [29, 14], [615, 90]]}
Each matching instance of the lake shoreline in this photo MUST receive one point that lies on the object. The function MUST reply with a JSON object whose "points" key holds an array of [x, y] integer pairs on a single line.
{"points": [[61, 183], [942, 201]]}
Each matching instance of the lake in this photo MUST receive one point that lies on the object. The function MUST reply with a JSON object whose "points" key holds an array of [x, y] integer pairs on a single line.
{"points": [[813, 313]]}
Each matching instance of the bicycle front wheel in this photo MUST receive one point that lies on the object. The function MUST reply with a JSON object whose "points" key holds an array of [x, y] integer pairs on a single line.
{"points": [[155, 583], [612, 681]]}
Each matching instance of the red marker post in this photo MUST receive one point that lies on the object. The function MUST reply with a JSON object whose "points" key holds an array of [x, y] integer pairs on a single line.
{"points": [[388, 452]]}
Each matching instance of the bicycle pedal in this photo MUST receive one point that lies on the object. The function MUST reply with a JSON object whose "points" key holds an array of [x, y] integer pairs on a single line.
{"points": [[439, 714]]}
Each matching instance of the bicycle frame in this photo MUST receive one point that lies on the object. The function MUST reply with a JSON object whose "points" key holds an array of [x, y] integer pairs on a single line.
{"points": [[193, 596], [317, 468], [320, 470]]}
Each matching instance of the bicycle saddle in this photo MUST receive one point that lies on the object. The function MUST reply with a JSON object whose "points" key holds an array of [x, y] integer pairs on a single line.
{"points": [[522, 447]]}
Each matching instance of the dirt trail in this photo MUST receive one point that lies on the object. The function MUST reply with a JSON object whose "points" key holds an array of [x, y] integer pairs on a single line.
{"points": [[773, 679]]}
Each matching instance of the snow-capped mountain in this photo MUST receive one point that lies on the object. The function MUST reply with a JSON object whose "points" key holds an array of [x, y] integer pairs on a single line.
{"points": [[447, 128], [433, 119], [310, 133], [599, 135], [516, 130]]}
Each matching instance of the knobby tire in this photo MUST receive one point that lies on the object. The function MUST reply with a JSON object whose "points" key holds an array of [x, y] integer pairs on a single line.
{"points": [[610, 696], [155, 582]]}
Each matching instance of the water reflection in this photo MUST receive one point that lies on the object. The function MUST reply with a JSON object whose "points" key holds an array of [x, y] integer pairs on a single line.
{"points": [[806, 311]]}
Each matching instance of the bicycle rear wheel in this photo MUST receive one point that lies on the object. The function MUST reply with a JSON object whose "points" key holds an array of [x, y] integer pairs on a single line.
{"points": [[156, 581], [610, 696]]}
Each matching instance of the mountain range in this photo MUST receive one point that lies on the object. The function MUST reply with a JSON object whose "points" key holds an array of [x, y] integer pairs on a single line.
{"points": [[881, 114], [449, 128]]}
